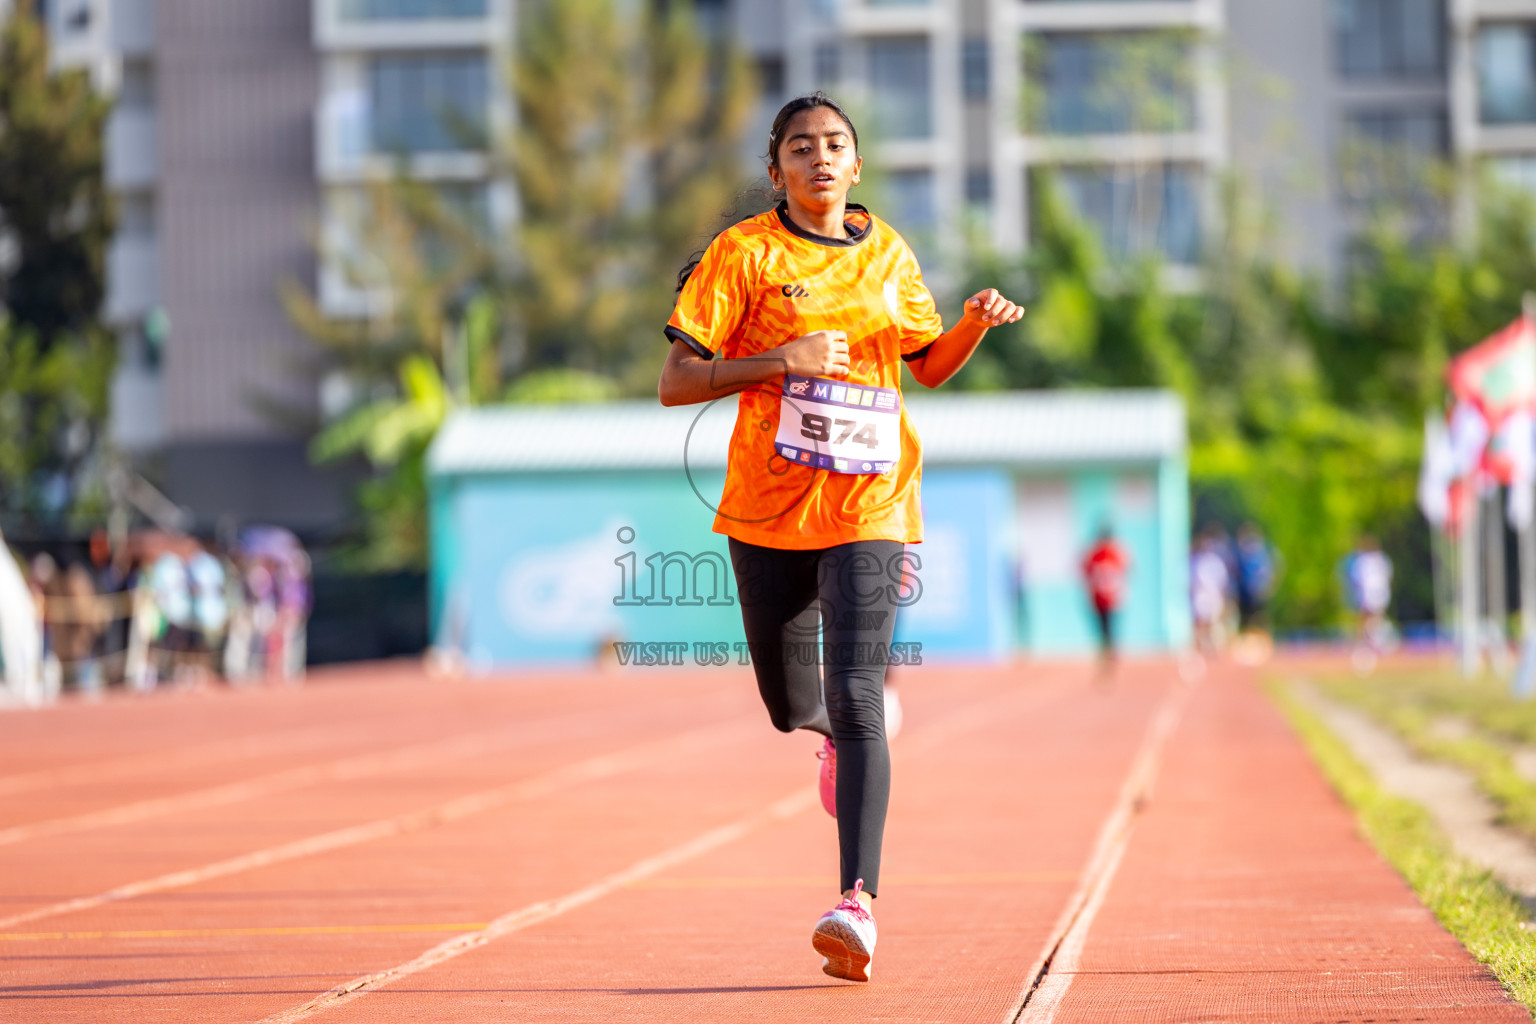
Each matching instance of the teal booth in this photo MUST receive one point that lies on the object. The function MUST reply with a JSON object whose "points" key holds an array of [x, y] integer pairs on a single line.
{"points": [[558, 531]]}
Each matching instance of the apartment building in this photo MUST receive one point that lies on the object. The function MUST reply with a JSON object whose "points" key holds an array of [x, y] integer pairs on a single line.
{"points": [[243, 134], [1341, 102], [1122, 104], [970, 102], [237, 148], [416, 82], [1493, 86]]}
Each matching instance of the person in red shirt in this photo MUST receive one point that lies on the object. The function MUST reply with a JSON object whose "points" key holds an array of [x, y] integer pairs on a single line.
{"points": [[1104, 571]]}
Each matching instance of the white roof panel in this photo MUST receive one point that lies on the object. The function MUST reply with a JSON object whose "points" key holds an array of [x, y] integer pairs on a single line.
{"points": [[1010, 428]]}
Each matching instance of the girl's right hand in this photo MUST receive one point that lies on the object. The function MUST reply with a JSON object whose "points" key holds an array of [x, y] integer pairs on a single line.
{"points": [[818, 354]]}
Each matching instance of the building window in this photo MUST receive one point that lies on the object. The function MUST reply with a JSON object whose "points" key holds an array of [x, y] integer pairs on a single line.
{"points": [[1506, 74], [974, 62], [913, 209], [978, 186], [713, 17], [770, 75], [425, 103], [1421, 132], [829, 64], [912, 201], [1390, 153], [1516, 172], [410, 10], [1138, 209], [1091, 83], [1390, 38], [899, 87]]}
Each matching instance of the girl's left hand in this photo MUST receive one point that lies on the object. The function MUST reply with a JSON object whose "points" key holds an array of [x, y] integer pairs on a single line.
{"points": [[990, 309]]}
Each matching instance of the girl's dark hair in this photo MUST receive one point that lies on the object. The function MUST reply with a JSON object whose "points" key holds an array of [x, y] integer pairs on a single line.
{"points": [[758, 196], [795, 106]]}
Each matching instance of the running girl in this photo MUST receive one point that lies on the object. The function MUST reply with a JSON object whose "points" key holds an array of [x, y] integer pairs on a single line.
{"points": [[810, 306]]}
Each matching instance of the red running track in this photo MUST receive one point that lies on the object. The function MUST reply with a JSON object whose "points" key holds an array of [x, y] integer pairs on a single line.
{"points": [[642, 846]]}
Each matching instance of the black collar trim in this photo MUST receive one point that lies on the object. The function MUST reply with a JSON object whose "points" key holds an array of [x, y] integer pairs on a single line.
{"points": [[856, 234]]}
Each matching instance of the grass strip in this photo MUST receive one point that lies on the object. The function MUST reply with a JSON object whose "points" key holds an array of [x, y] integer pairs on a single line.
{"points": [[1412, 713], [1484, 917], [1485, 701]]}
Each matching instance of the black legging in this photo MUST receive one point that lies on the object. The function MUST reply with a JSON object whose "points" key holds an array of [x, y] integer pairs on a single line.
{"points": [[845, 596]]}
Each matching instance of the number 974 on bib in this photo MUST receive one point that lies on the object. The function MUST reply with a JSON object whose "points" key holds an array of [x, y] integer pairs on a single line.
{"points": [[839, 427]]}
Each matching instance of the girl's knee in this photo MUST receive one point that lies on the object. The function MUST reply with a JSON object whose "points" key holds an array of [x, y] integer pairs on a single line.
{"points": [[857, 719], [782, 721]]}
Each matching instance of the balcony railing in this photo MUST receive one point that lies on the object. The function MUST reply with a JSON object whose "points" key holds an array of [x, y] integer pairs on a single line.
{"points": [[411, 10], [410, 24], [347, 147]]}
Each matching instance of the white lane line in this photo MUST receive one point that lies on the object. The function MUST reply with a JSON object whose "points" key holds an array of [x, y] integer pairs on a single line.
{"points": [[980, 713], [146, 762], [534, 913], [347, 769], [1050, 976], [587, 770]]}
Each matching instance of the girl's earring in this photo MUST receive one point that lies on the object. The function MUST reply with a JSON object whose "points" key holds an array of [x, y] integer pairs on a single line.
{"points": [[778, 186]]}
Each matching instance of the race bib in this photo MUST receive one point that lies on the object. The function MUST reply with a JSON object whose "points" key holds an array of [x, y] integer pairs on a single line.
{"points": [[840, 427]]}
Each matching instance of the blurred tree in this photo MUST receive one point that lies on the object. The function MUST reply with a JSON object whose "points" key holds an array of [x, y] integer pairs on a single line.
{"points": [[55, 222], [1271, 440], [56, 213], [419, 259], [627, 148], [393, 433], [626, 151], [1092, 320]]}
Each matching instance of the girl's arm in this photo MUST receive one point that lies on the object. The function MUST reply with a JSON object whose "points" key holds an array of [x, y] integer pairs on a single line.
{"points": [[688, 378], [950, 351]]}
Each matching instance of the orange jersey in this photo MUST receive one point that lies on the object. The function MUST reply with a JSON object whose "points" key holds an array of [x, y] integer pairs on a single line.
{"points": [[766, 281]]}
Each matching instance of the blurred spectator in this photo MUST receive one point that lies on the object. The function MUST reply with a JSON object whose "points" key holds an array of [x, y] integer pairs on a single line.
{"points": [[77, 617], [46, 584], [293, 604], [1256, 571], [1210, 582], [21, 634], [1104, 571], [112, 571], [172, 594], [156, 606], [1367, 574], [210, 606], [267, 635]]}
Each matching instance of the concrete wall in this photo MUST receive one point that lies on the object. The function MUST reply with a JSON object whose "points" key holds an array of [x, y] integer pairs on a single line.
{"points": [[1289, 105], [236, 203], [526, 567], [236, 92]]}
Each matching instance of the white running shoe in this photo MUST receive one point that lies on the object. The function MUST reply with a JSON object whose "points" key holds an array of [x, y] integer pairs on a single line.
{"points": [[845, 935]]}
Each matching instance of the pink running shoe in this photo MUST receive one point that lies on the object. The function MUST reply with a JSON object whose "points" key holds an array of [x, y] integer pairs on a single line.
{"points": [[828, 755], [845, 935]]}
